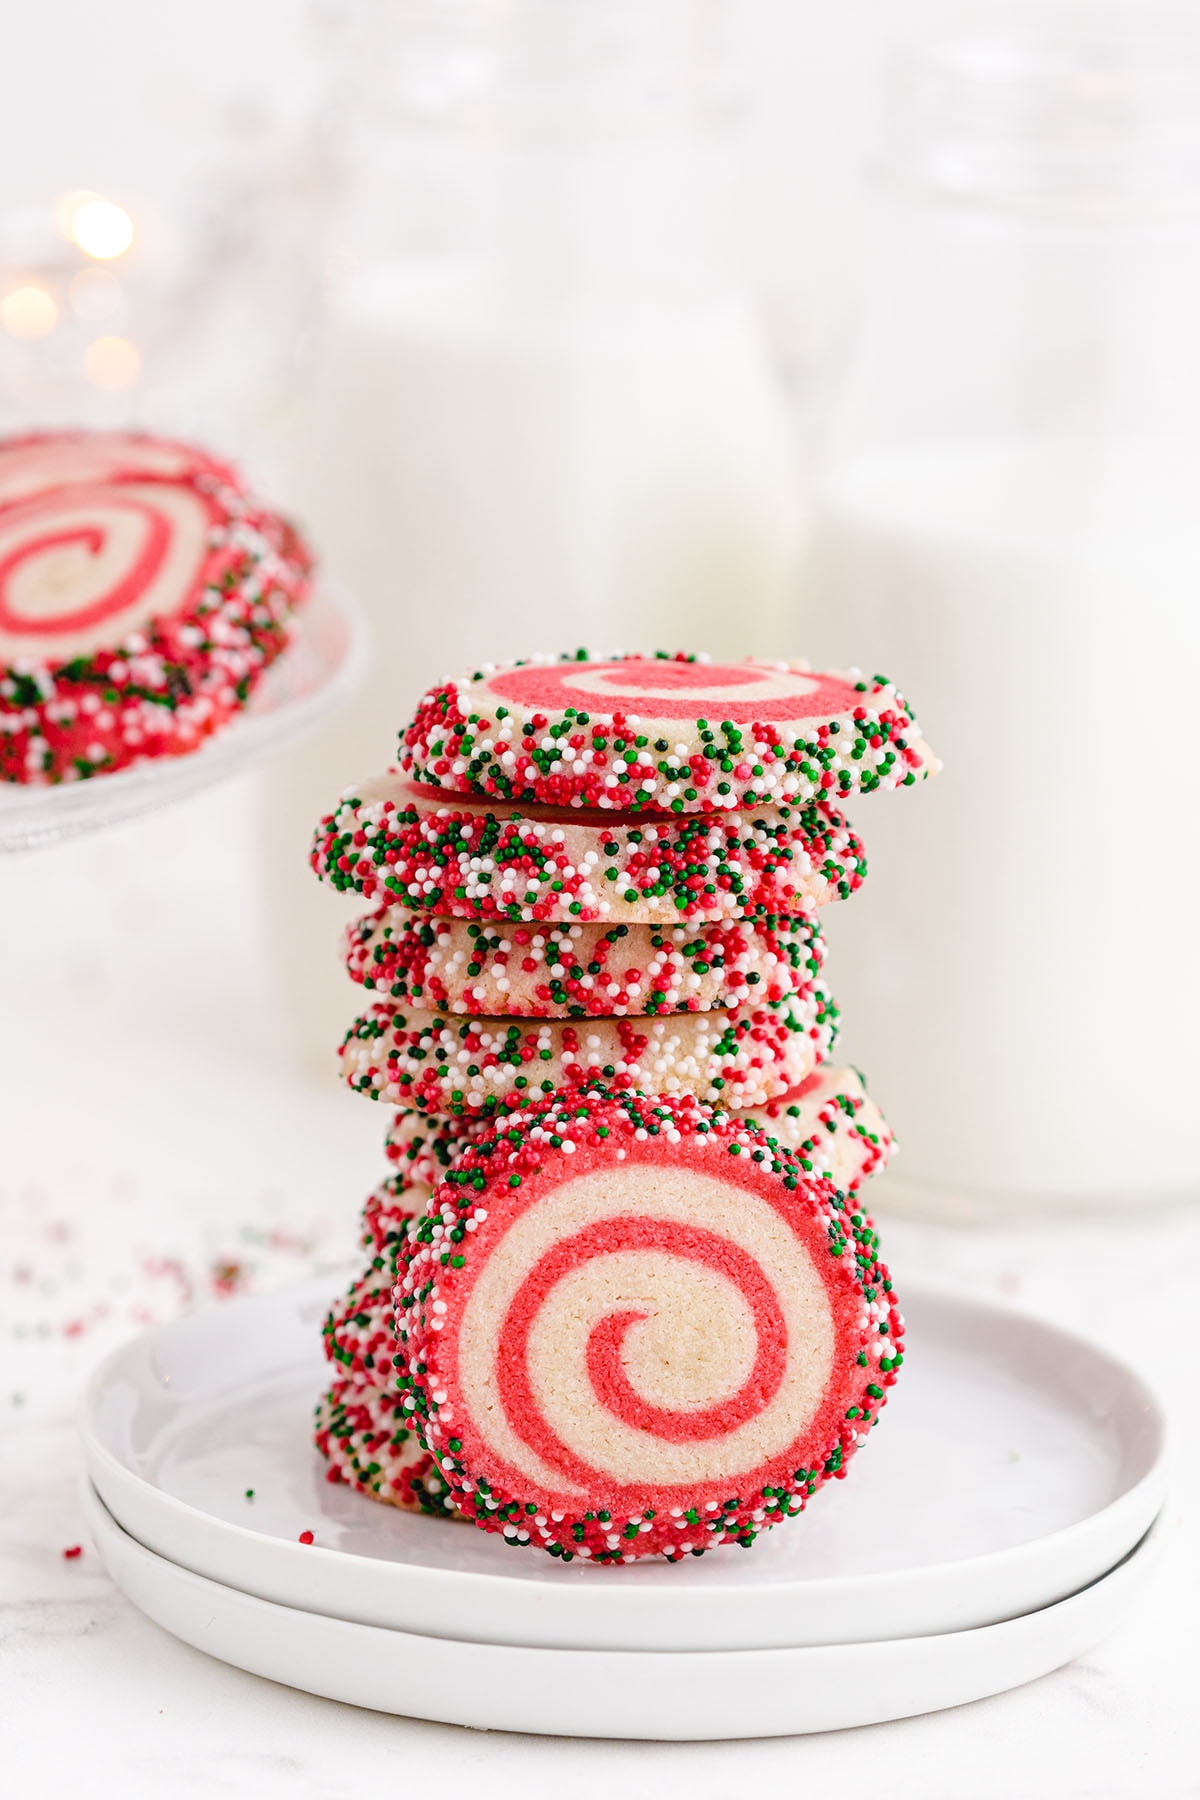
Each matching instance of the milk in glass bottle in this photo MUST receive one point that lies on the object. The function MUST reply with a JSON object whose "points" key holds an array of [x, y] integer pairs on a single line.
{"points": [[543, 411], [1009, 521]]}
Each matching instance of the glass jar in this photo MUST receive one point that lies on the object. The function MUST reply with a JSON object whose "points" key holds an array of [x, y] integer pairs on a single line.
{"points": [[543, 410], [1008, 521]]}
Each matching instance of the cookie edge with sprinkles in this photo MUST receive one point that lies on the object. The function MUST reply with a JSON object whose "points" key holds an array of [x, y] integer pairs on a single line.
{"points": [[465, 743]]}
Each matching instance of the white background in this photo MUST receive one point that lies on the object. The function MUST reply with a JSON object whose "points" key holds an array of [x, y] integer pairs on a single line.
{"points": [[131, 99], [154, 1139]]}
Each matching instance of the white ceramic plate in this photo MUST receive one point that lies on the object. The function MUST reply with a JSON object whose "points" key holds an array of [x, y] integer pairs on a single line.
{"points": [[1013, 1465], [613, 1693], [321, 666]]}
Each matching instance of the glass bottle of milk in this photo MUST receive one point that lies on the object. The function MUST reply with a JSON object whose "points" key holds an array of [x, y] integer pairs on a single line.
{"points": [[544, 411], [1010, 521]]}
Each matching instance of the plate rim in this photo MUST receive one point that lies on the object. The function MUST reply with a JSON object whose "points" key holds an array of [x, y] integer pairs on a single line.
{"points": [[1123, 1581], [600, 1607], [242, 743]]}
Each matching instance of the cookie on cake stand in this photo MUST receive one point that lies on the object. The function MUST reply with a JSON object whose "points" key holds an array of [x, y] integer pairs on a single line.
{"points": [[159, 629]]}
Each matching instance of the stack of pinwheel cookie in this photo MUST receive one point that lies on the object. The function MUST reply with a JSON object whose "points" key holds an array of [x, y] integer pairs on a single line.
{"points": [[621, 1299]]}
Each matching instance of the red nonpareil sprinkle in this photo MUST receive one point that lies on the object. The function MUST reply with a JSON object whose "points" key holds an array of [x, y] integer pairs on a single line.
{"points": [[168, 653], [469, 861], [366, 1433], [467, 966], [72, 1551], [440, 1063], [360, 1329], [593, 933], [559, 1140], [772, 731]]}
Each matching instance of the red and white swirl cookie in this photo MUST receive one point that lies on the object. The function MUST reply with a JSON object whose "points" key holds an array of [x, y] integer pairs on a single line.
{"points": [[397, 843], [368, 1442], [142, 594], [580, 971], [422, 1146], [831, 1125], [390, 1210], [680, 732], [631, 1327], [359, 1330], [442, 1065], [39, 461]]}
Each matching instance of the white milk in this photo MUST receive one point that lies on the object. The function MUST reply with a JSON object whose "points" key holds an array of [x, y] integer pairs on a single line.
{"points": [[493, 474], [599, 470], [1020, 975]]}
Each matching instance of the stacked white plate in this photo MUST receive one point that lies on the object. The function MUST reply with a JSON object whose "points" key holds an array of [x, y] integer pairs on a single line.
{"points": [[999, 1524]]}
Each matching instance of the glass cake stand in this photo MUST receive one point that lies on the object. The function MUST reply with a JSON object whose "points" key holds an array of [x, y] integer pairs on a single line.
{"points": [[322, 665]]}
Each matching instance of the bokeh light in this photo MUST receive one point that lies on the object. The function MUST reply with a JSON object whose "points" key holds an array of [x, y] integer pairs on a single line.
{"points": [[28, 311], [99, 227]]}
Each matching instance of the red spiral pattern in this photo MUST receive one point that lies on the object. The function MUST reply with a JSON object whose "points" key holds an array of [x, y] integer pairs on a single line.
{"points": [[635, 735], [39, 462], [142, 594], [36, 532], [657, 689], [606, 1369], [548, 1251]]}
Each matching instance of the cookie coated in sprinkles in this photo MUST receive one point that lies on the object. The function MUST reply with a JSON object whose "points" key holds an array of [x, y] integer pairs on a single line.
{"points": [[580, 971], [504, 1183], [629, 732], [390, 1209], [142, 595], [359, 1332], [367, 1439], [422, 1145], [438, 1064], [397, 843], [831, 1125]]}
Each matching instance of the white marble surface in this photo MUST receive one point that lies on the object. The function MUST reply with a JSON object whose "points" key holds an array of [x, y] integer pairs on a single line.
{"points": [[158, 1147]]}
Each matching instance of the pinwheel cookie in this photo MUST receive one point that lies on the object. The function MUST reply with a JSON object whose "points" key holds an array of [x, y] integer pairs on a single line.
{"points": [[439, 1064], [422, 1146], [142, 594], [580, 971], [39, 462], [367, 1439], [391, 1208], [832, 1125], [631, 1327], [359, 1332], [829, 1123], [399, 843], [679, 732]]}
